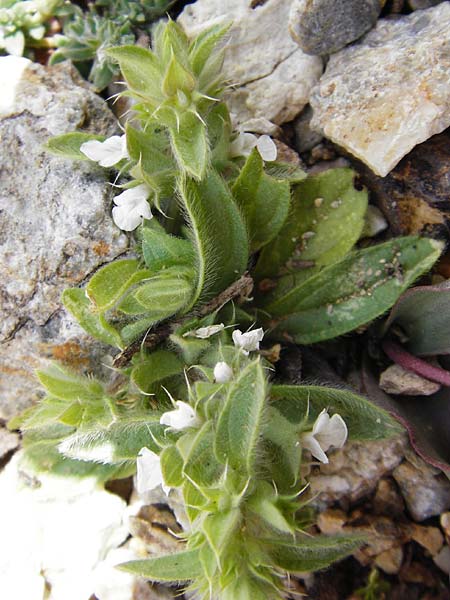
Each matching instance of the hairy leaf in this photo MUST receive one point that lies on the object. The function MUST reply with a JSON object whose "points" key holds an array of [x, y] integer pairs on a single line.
{"points": [[218, 234], [182, 566], [190, 145], [156, 367], [68, 144], [263, 200], [364, 420], [161, 250], [140, 69], [310, 554], [324, 223], [240, 422], [352, 292]]}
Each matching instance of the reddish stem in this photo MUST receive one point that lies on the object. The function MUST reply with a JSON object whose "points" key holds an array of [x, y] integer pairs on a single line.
{"points": [[411, 363]]}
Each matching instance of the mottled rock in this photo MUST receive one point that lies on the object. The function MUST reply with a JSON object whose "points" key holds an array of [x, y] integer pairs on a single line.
{"points": [[270, 75], [355, 470], [390, 561], [397, 380], [387, 500], [305, 137], [425, 489], [414, 196], [326, 26], [422, 4], [55, 223], [390, 91], [430, 538]]}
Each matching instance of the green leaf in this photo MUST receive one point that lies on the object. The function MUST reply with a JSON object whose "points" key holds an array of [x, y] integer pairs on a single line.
{"points": [[351, 293], [423, 314], [263, 200], [111, 282], [77, 303], [240, 422], [204, 45], [311, 554], [281, 436], [263, 502], [182, 566], [161, 250], [65, 385], [218, 234], [140, 69], [172, 466], [151, 151], [116, 443], [155, 368], [365, 420], [190, 145], [219, 529], [325, 221], [165, 295], [68, 144], [177, 78], [200, 464]]}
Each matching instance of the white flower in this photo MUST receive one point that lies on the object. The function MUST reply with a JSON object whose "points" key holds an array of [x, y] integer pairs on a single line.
{"points": [[181, 418], [248, 341], [149, 474], [326, 432], [266, 147], [222, 372], [131, 207], [106, 153], [245, 142], [205, 332]]}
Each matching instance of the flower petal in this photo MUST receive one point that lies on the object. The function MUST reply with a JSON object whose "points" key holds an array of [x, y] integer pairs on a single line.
{"points": [[267, 148], [181, 418], [335, 434], [125, 219], [243, 144], [222, 373], [248, 341], [204, 333], [321, 423], [133, 195], [106, 153], [310, 443], [149, 474]]}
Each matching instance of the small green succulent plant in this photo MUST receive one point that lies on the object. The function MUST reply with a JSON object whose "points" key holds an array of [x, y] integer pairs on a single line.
{"points": [[215, 212]]}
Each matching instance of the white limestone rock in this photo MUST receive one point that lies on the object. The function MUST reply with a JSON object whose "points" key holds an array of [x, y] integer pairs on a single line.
{"points": [[56, 531], [390, 91], [55, 222], [270, 75]]}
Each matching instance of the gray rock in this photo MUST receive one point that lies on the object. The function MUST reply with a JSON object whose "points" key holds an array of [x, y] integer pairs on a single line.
{"points": [[390, 91], [55, 223], [326, 26], [355, 470], [422, 4], [305, 137], [425, 489], [397, 380], [270, 75]]}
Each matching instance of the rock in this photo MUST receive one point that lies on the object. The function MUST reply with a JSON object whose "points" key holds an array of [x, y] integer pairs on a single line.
{"points": [[414, 196], [153, 525], [387, 500], [390, 561], [390, 91], [445, 523], [305, 137], [422, 4], [331, 521], [429, 538], [354, 471], [55, 223], [397, 380], [442, 560], [8, 441], [425, 489], [326, 26], [56, 531], [270, 75]]}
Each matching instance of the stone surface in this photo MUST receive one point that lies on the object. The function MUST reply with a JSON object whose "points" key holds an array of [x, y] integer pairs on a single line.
{"points": [[390, 91], [421, 4], [8, 441], [270, 75], [355, 470], [56, 532], [397, 380], [425, 489], [326, 26], [305, 137], [414, 196], [56, 226]]}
